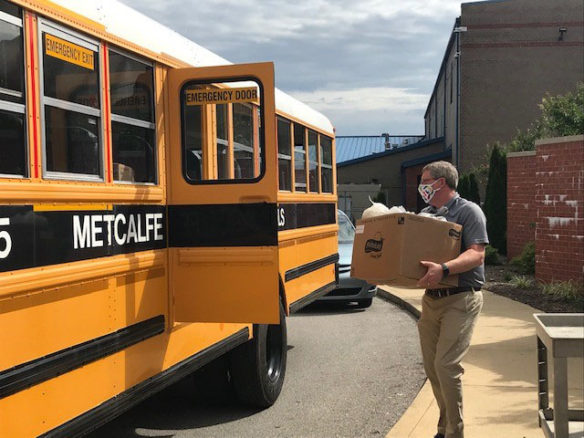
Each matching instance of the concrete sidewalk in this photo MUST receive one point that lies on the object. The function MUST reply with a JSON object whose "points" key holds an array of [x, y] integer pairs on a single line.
{"points": [[500, 379]]}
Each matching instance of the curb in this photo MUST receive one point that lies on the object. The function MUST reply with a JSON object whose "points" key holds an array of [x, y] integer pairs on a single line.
{"points": [[387, 296]]}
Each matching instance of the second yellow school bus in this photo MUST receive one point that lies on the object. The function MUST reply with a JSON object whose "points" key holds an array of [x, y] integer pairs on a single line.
{"points": [[160, 209]]}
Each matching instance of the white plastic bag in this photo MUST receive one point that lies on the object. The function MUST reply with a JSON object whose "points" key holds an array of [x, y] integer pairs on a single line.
{"points": [[376, 209]]}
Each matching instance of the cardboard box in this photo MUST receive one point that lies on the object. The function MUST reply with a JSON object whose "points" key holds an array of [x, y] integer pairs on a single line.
{"points": [[388, 249]]}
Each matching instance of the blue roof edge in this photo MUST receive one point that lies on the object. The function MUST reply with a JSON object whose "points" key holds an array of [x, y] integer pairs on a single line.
{"points": [[417, 145]]}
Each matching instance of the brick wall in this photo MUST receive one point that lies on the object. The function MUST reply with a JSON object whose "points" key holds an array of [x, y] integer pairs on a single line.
{"points": [[559, 200], [521, 211], [545, 204]]}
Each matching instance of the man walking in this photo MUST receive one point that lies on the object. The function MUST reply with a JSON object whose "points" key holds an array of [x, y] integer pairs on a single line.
{"points": [[449, 314]]}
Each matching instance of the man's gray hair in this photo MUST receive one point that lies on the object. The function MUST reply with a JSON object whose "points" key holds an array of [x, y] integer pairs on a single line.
{"points": [[443, 169]]}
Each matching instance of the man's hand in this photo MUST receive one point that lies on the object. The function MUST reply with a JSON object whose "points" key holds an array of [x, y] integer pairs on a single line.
{"points": [[433, 275]]}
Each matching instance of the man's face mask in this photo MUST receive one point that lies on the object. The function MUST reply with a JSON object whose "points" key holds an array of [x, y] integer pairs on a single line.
{"points": [[427, 191]]}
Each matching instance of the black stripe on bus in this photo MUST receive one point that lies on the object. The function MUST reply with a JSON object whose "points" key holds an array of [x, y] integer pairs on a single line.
{"points": [[302, 215], [291, 274], [43, 238], [222, 225], [305, 301], [39, 370], [112, 408]]}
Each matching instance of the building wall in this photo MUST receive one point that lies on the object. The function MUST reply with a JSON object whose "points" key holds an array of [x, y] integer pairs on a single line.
{"points": [[440, 106], [386, 170], [511, 56], [521, 210], [413, 199], [545, 204], [358, 198], [451, 73]]}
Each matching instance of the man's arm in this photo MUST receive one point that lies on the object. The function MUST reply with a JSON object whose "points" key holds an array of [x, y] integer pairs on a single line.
{"points": [[474, 256]]}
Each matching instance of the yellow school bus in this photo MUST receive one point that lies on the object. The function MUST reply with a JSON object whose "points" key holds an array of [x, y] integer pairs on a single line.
{"points": [[160, 209]]}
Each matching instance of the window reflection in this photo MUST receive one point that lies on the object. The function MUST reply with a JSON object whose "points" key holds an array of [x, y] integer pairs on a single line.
{"points": [[299, 159], [284, 155], [133, 133], [71, 105], [12, 112], [131, 85], [312, 162], [243, 141], [70, 82], [222, 142], [193, 142], [72, 142], [326, 157]]}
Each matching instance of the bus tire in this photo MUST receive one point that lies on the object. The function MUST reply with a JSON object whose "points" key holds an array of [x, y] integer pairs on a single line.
{"points": [[258, 367]]}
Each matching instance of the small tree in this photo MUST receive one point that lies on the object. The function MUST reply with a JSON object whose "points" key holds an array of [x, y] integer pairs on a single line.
{"points": [[473, 187], [563, 115], [495, 207], [468, 187], [463, 186]]}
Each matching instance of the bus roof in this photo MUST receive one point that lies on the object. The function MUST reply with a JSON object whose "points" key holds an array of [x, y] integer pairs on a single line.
{"points": [[127, 23]]}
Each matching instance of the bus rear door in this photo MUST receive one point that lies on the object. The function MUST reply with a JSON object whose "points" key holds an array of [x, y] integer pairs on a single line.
{"points": [[222, 187]]}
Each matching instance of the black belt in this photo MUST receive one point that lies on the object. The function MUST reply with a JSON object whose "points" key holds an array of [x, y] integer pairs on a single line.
{"points": [[441, 293]]}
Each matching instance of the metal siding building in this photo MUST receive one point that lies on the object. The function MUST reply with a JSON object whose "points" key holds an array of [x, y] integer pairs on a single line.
{"points": [[354, 147]]}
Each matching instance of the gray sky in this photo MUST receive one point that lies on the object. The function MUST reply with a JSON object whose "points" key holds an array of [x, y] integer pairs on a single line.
{"points": [[368, 65]]}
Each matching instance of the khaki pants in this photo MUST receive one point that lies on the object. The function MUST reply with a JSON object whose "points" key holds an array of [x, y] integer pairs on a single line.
{"points": [[445, 328]]}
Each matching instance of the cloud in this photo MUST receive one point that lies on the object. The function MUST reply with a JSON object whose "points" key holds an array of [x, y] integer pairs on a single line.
{"points": [[376, 50], [370, 110], [364, 99]]}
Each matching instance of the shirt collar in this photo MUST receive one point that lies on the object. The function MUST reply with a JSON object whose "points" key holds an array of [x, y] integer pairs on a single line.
{"points": [[452, 201], [443, 211]]}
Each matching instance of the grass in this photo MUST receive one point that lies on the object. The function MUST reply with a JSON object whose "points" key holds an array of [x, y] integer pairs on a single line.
{"points": [[566, 290], [521, 282]]}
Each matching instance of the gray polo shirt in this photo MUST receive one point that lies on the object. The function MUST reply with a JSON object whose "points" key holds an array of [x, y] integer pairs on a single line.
{"points": [[474, 231]]}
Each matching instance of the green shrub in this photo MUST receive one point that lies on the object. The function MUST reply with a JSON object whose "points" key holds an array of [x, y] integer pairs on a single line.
{"points": [[560, 116], [563, 115], [492, 256], [565, 290], [468, 187], [521, 281], [474, 195], [526, 261], [495, 207], [463, 188]]}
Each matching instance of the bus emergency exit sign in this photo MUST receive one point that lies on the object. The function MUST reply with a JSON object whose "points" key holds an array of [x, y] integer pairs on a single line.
{"points": [[218, 96]]}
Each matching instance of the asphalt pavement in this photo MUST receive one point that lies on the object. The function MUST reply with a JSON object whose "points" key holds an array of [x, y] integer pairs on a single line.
{"points": [[350, 373]]}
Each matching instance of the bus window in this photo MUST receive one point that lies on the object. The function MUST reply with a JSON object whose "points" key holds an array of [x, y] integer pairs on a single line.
{"points": [[299, 159], [243, 134], [326, 160], [132, 108], [234, 151], [312, 162], [71, 105], [284, 155], [12, 119], [222, 141], [193, 142]]}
